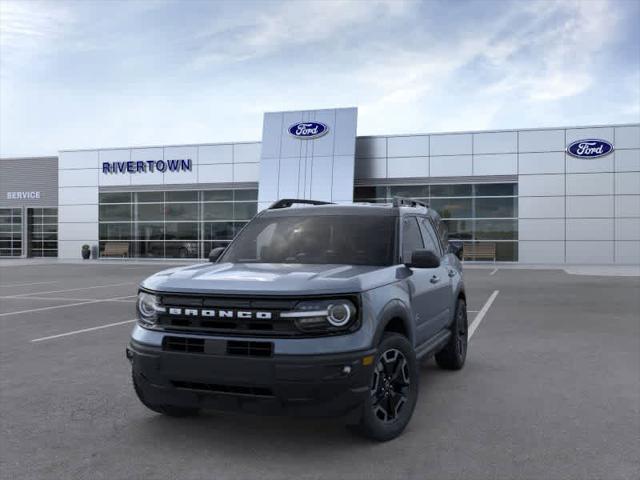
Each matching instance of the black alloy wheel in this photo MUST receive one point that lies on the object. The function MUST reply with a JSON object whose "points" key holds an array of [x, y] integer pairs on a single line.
{"points": [[393, 390], [390, 387]]}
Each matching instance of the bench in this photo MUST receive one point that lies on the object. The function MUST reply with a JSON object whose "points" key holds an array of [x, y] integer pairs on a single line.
{"points": [[479, 251], [116, 250]]}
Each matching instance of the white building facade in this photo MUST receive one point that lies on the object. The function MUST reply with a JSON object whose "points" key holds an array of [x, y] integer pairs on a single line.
{"points": [[525, 192]]}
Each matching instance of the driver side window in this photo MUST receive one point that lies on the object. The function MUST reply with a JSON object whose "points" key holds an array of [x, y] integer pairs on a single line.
{"points": [[411, 238]]}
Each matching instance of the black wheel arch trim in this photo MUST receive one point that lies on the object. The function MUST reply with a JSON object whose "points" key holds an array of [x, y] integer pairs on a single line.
{"points": [[392, 310]]}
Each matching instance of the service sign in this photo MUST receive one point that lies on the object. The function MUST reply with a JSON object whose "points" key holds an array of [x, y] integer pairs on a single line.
{"points": [[589, 148], [23, 195], [308, 130]]}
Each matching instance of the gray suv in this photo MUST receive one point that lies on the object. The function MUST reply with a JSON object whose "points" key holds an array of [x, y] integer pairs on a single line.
{"points": [[313, 309]]}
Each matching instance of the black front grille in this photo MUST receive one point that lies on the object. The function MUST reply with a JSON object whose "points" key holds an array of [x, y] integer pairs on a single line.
{"points": [[183, 344], [274, 326], [254, 308], [249, 349], [229, 389]]}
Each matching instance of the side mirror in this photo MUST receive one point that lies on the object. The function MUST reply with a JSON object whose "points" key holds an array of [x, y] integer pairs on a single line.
{"points": [[457, 249], [424, 259], [215, 254]]}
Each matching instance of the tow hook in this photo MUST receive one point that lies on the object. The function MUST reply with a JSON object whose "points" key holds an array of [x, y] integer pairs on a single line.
{"points": [[129, 354]]}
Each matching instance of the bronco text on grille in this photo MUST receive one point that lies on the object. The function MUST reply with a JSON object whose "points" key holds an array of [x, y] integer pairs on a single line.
{"points": [[229, 315]]}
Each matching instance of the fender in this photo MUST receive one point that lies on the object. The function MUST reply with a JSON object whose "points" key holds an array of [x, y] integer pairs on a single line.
{"points": [[394, 309]]}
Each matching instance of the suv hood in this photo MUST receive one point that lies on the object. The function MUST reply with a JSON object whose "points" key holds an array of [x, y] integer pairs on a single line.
{"points": [[270, 278]]}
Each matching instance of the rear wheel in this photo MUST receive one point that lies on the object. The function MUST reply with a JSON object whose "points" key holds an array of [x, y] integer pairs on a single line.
{"points": [[169, 410], [454, 354], [393, 390]]}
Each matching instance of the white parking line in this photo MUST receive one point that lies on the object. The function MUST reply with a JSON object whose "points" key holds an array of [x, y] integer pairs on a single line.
{"points": [[24, 284], [68, 299], [66, 305], [476, 322], [84, 330], [493, 272], [74, 289]]}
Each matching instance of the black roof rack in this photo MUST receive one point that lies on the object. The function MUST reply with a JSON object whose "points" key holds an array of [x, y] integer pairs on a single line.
{"points": [[408, 202], [288, 202]]}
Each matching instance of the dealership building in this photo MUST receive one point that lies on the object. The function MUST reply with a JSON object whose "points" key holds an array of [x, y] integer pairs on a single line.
{"points": [[544, 195]]}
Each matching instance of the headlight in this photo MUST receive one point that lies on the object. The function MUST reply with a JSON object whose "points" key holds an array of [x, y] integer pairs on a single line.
{"points": [[148, 308], [318, 316]]}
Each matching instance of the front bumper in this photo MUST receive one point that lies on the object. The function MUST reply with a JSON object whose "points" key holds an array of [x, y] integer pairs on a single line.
{"points": [[305, 385]]}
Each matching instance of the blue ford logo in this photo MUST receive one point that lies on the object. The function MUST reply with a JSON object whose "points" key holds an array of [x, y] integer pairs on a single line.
{"points": [[308, 130], [590, 148]]}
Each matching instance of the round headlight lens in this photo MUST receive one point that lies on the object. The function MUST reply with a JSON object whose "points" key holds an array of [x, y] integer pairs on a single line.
{"points": [[339, 314], [323, 316], [148, 308]]}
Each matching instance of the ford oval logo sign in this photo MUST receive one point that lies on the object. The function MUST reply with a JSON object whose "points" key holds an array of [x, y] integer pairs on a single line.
{"points": [[590, 148], [308, 130]]}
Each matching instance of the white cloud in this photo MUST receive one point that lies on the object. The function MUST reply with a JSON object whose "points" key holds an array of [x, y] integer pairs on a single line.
{"points": [[27, 27], [409, 67], [296, 25]]}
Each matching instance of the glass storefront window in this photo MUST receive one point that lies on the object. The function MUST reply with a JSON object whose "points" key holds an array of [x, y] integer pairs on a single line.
{"points": [[115, 231], [244, 211], [42, 231], [245, 195], [182, 224], [460, 229], [410, 191], [117, 197], [149, 212], [181, 231], [496, 189], [218, 230], [485, 212], [217, 196], [461, 190], [149, 231], [217, 211], [496, 207], [181, 211], [149, 197], [10, 232], [115, 213], [189, 196], [453, 207], [496, 229]]}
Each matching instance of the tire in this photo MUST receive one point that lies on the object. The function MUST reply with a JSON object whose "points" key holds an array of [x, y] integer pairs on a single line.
{"points": [[168, 410], [454, 354], [389, 407]]}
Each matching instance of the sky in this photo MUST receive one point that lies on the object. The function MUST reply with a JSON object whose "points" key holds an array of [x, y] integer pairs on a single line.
{"points": [[86, 74]]}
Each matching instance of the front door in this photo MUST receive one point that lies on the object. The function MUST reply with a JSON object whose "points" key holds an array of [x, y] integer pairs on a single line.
{"points": [[427, 286]]}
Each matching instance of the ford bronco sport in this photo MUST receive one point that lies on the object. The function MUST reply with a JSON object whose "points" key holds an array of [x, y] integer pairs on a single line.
{"points": [[321, 310]]}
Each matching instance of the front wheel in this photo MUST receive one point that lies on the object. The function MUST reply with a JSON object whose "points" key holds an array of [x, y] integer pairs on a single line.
{"points": [[393, 390], [454, 354]]}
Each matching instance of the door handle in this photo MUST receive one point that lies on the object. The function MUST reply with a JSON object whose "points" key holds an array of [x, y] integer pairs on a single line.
{"points": [[435, 279], [452, 273]]}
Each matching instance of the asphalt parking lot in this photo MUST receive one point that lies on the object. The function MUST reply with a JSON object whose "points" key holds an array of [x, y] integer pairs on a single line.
{"points": [[551, 390]]}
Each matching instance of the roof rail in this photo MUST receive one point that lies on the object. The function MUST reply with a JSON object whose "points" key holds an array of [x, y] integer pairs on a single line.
{"points": [[288, 202], [408, 202]]}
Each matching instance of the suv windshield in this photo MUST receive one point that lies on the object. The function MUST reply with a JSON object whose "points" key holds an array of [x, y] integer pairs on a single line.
{"points": [[345, 239]]}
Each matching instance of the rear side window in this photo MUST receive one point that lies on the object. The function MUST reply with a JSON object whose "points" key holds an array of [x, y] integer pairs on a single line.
{"points": [[430, 238], [444, 233], [411, 238]]}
